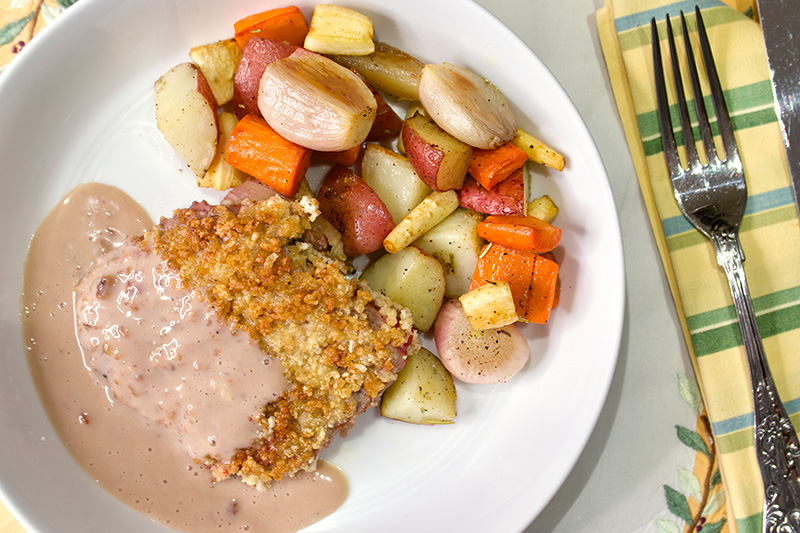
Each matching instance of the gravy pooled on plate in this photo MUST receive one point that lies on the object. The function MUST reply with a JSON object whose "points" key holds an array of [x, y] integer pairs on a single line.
{"points": [[138, 421]]}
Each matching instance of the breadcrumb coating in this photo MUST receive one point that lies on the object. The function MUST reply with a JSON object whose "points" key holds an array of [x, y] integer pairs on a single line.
{"points": [[341, 344]]}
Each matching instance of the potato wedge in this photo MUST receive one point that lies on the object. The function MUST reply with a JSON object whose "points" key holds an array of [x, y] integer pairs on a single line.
{"points": [[432, 210], [218, 62], [186, 113], [440, 159], [393, 178], [413, 279], [413, 109], [355, 210], [456, 244], [424, 392]]}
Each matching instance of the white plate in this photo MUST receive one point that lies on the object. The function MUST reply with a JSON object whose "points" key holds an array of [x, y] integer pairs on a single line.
{"points": [[77, 105]]}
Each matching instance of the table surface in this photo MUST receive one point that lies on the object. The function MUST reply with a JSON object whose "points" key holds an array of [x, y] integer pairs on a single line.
{"points": [[618, 482]]}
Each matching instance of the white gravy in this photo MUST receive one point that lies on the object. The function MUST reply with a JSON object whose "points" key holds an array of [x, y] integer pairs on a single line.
{"points": [[135, 422]]}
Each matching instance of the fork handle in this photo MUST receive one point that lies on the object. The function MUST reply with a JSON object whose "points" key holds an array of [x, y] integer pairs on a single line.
{"points": [[776, 442]]}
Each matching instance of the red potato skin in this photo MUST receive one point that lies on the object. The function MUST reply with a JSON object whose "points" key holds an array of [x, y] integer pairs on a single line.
{"points": [[205, 90], [257, 54], [427, 145], [505, 198], [426, 157], [353, 208]]}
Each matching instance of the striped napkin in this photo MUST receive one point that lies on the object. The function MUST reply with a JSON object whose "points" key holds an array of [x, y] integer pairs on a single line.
{"points": [[770, 231]]}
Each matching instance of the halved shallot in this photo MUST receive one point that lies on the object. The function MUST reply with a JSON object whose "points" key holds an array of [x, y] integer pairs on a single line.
{"points": [[478, 356], [466, 106], [316, 103]]}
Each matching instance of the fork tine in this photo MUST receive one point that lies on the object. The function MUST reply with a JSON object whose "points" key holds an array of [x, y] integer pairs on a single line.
{"points": [[683, 111], [664, 120], [699, 105], [721, 109]]}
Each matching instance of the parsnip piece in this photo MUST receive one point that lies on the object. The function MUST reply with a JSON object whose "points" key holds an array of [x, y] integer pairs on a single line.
{"points": [[393, 179], [220, 175], [538, 152], [490, 306], [218, 62], [388, 70], [411, 278], [339, 30], [316, 103], [424, 392], [466, 106], [432, 210], [543, 208], [456, 244]]}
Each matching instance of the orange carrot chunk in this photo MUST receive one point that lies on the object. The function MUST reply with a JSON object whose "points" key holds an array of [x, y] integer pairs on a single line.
{"points": [[347, 157], [543, 293], [523, 232], [500, 263], [281, 24], [258, 150], [490, 167], [533, 279]]}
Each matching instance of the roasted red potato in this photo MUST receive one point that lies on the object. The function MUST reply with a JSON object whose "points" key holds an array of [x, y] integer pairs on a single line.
{"points": [[440, 159], [257, 54], [505, 198], [355, 210]]}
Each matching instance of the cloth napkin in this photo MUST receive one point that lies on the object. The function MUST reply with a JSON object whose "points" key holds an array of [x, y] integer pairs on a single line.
{"points": [[770, 232]]}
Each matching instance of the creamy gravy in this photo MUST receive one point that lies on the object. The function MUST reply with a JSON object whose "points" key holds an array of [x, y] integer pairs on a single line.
{"points": [[135, 423]]}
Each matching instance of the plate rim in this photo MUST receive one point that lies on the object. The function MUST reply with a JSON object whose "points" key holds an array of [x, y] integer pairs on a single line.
{"points": [[64, 21]]}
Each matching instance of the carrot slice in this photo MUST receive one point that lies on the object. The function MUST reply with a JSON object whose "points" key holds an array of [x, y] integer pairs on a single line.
{"points": [[347, 158], [523, 232], [490, 167], [533, 279], [543, 293], [500, 263], [281, 24], [258, 150]]}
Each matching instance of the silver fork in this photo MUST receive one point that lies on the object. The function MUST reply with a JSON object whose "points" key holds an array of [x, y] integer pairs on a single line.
{"points": [[713, 197]]}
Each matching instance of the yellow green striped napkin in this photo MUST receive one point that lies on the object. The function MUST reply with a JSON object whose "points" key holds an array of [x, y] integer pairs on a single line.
{"points": [[770, 230]]}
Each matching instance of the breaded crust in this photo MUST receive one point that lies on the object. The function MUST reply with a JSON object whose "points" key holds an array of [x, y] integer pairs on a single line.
{"points": [[341, 343]]}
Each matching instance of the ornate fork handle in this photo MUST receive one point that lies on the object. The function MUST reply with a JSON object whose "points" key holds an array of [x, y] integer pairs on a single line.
{"points": [[776, 443]]}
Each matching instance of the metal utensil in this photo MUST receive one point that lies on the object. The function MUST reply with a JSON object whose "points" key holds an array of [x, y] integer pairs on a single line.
{"points": [[713, 197], [780, 24]]}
